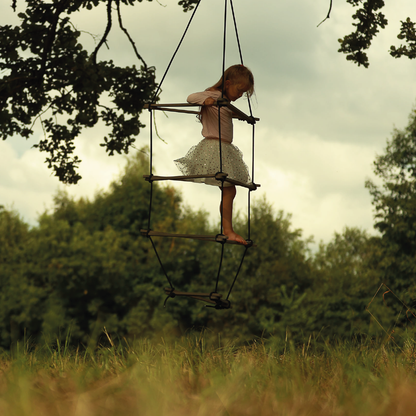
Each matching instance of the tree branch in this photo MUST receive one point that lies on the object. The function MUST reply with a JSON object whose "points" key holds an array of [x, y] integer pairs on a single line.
{"points": [[51, 36], [120, 22], [107, 31], [328, 15]]}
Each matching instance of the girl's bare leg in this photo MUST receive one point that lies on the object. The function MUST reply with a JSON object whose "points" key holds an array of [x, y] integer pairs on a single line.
{"points": [[229, 193]]}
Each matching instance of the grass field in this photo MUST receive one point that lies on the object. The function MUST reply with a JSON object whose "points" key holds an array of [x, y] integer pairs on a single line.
{"points": [[198, 375]]}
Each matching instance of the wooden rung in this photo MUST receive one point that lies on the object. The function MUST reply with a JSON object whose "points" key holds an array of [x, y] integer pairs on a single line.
{"points": [[252, 186], [175, 110], [156, 106], [168, 291], [240, 115], [213, 298], [181, 178], [219, 238]]}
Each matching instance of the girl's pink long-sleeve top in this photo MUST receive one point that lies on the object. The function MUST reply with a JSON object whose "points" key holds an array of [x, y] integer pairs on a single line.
{"points": [[209, 116]]}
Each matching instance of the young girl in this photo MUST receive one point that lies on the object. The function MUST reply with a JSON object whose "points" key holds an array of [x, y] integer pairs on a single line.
{"points": [[204, 157]]}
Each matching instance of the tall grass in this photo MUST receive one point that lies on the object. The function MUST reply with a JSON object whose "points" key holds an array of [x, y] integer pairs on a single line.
{"points": [[202, 375]]}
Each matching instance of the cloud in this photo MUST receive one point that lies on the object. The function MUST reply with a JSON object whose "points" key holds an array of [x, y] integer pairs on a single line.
{"points": [[28, 186], [25, 183]]}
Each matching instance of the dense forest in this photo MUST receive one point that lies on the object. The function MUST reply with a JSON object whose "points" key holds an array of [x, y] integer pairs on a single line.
{"points": [[86, 266]]}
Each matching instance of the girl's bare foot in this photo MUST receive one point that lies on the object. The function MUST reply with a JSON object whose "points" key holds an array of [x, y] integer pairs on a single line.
{"points": [[226, 209], [232, 236]]}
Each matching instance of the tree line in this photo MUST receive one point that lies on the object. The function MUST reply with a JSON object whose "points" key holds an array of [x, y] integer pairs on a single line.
{"points": [[85, 266]]}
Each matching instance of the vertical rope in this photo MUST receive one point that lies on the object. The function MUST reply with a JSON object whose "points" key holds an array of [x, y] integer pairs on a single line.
{"points": [[252, 152], [219, 268], [150, 206], [252, 180], [151, 198], [222, 208], [222, 181], [219, 124], [149, 214], [251, 114], [219, 135], [249, 215], [151, 143], [223, 47], [219, 107]]}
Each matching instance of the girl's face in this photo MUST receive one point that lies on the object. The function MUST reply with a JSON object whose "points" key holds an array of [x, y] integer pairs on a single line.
{"points": [[234, 90]]}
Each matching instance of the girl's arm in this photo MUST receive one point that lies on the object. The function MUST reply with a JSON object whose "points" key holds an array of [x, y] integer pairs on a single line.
{"points": [[210, 101], [203, 98]]}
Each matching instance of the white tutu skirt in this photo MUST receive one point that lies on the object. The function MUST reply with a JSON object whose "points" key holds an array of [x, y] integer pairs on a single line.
{"points": [[204, 159]]}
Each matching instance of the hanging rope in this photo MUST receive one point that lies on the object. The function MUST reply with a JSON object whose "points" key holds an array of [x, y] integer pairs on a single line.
{"points": [[223, 47], [176, 51], [239, 51]]}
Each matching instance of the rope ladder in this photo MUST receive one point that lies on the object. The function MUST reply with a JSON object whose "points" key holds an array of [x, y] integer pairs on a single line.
{"points": [[213, 299]]}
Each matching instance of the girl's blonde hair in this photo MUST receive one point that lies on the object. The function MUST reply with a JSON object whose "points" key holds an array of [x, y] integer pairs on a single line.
{"points": [[237, 73]]}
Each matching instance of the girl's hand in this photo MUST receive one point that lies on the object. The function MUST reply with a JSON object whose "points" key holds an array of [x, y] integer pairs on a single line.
{"points": [[209, 101]]}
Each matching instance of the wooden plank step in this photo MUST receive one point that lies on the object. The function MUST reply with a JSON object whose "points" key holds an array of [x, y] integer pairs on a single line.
{"points": [[219, 238], [252, 186], [177, 107], [213, 298]]}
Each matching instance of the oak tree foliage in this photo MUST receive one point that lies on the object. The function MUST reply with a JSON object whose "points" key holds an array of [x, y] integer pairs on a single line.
{"points": [[368, 21], [394, 202], [48, 76]]}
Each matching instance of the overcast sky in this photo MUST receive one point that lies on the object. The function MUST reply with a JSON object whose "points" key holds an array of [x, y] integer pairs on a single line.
{"points": [[322, 118]]}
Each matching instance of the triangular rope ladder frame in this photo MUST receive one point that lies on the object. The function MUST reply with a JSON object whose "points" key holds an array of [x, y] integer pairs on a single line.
{"points": [[213, 298]]}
